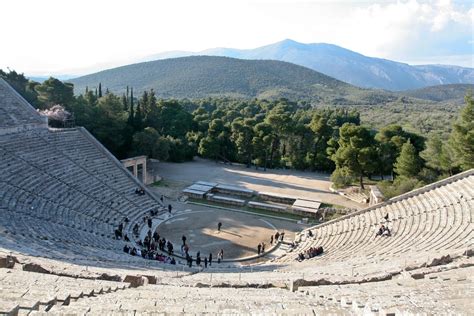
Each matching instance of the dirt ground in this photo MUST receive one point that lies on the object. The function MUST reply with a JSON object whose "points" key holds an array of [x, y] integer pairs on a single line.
{"points": [[177, 176], [239, 236]]}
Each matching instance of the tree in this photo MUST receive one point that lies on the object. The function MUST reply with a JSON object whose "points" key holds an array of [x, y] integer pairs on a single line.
{"points": [[462, 136], [356, 153], [149, 142], [439, 156], [100, 91], [262, 142], [242, 135], [322, 132], [53, 91], [408, 164]]}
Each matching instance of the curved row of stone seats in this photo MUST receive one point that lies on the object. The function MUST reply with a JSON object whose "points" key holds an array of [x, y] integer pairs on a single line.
{"points": [[55, 204], [165, 299], [16, 111], [23, 292], [441, 293], [437, 220], [36, 165]]}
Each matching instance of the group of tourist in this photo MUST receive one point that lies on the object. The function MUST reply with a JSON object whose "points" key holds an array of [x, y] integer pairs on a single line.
{"points": [[310, 253], [383, 231], [139, 191], [151, 255]]}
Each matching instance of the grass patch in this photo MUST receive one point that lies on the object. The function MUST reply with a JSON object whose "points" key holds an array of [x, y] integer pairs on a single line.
{"points": [[332, 206]]}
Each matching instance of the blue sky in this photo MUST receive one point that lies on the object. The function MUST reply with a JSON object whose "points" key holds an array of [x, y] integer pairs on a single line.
{"points": [[77, 37]]}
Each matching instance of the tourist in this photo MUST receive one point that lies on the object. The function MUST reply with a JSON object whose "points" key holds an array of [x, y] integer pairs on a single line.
{"points": [[263, 247], [169, 208], [386, 217], [198, 259], [219, 225], [161, 199], [380, 231], [150, 222], [170, 248], [210, 259], [310, 233], [386, 232], [282, 236], [183, 239], [277, 237], [205, 262], [220, 256], [259, 247], [271, 240]]}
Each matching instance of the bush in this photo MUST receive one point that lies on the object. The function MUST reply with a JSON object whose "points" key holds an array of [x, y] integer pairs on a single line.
{"points": [[341, 178], [399, 186]]}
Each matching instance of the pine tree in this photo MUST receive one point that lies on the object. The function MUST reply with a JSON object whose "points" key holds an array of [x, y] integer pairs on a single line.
{"points": [[408, 164], [462, 136]]}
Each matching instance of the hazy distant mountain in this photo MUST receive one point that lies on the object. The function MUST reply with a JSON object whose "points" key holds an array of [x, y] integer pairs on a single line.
{"points": [[346, 65], [41, 79], [207, 76]]}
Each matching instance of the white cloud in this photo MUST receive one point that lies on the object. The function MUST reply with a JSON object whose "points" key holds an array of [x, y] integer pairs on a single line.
{"points": [[64, 36]]}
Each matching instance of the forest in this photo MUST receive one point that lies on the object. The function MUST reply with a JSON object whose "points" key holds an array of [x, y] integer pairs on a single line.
{"points": [[258, 133]]}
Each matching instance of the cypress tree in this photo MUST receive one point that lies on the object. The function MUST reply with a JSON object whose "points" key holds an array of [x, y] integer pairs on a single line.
{"points": [[100, 90]]}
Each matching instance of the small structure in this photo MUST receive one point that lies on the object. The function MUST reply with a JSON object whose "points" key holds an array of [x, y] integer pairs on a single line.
{"points": [[275, 197], [376, 196], [135, 162], [233, 190], [199, 190], [306, 207]]}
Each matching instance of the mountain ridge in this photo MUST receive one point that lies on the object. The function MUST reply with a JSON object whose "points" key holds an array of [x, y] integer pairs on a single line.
{"points": [[345, 65], [209, 76]]}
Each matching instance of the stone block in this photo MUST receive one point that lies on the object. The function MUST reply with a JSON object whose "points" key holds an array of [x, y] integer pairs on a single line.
{"points": [[33, 267], [107, 277], [136, 280]]}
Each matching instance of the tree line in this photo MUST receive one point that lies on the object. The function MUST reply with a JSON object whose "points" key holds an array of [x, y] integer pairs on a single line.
{"points": [[260, 133]]}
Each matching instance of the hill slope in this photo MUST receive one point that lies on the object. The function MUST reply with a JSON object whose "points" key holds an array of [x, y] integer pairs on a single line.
{"points": [[205, 76], [346, 65], [449, 92]]}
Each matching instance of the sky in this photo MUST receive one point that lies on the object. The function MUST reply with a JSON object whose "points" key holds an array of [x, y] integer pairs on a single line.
{"points": [[57, 37]]}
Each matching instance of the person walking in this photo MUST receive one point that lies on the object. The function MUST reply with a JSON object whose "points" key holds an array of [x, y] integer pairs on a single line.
{"points": [[198, 259], [271, 240], [259, 247], [183, 238], [263, 247], [220, 256], [205, 262], [210, 259], [219, 225]]}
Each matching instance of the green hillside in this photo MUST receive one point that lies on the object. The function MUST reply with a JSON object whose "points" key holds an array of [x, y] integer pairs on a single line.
{"points": [[207, 76], [448, 92]]}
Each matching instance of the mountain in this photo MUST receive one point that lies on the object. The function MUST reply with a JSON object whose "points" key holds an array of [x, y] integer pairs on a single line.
{"points": [[208, 76], [346, 65], [450, 92], [41, 79]]}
